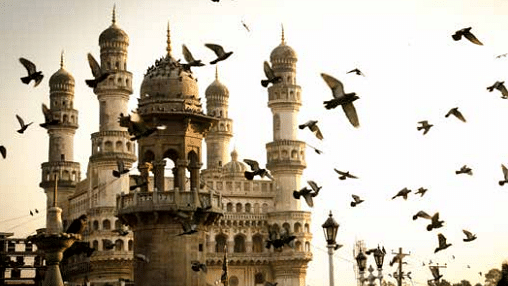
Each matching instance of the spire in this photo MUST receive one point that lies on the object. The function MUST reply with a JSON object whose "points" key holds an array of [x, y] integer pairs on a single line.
{"points": [[216, 73], [283, 41], [62, 59], [168, 48], [113, 19]]}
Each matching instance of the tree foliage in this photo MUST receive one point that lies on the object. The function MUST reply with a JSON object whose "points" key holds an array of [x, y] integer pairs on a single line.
{"points": [[492, 277]]}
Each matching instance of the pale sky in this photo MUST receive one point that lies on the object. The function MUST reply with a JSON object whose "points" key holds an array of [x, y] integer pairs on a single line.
{"points": [[414, 71]]}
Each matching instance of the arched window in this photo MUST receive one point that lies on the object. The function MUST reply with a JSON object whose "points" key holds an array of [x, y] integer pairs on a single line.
{"points": [[220, 242], [257, 243], [118, 224], [306, 228], [119, 146], [298, 227], [119, 245], [256, 208], [95, 225], [298, 246], [287, 227], [106, 224], [95, 245], [265, 207], [229, 207], [238, 207], [239, 244], [247, 208], [130, 245], [307, 246], [108, 146]]}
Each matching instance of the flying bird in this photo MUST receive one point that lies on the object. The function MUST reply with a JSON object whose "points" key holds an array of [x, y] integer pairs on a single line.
{"points": [[31, 213], [455, 112], [191, 62], [501, 55], [48, 117], [341, 98], [22, 124], [442, 243], [505, 175], [245, 26], [345, 175], [402, 193], [314, 186], [466, 32], [219, 51], [356, 200], [499, 85], [197, 266], [107, 244], [121, 168], [97, 72], [279, 239], [3, 151], [33, 74], [469, 236], [270, 75], [435, 222], [357, 71], [421, 214], [78, 225], [315, 149], [425, 126], [465, 170], [312, 125], [140, 182], [138, 129], [435, 273], [141, 257], [307, 194], [254, 165], [421, 191]]}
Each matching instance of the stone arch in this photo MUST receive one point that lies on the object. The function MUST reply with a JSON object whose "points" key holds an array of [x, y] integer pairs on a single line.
{"points": [[298, 246], [294, 154], [66, 175], [95, 225], [247, 207], [298, 227], [117, 65], [239, 243], [287, 227], [264, 208], [108, 146], [106, 224], [229, 207], [257, 243], [73, 119], [130, 245], [238, 207], [119, 245], [220, 242], [118, 224], [307, 228], [221, 127], [95, 245], [119, 146], [148, 156], [65, 118], [256, 208], [128, 146], [127, 82], [307, 246], [285, 154]]}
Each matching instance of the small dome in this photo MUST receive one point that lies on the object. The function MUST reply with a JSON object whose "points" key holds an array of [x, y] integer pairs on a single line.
{"points": [[113, 34], [283, 51], [216, 88], [61, 76], [234, 167]]}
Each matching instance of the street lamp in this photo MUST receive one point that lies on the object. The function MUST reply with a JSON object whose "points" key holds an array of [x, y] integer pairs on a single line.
{"points": [[361, 261], [379, 257], [330, 228]]}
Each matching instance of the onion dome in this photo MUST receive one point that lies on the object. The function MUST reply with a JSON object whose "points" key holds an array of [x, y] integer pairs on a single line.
{"points": [[61, 77], [283, 51], [216, 87], [235, 167], [113, 33]]}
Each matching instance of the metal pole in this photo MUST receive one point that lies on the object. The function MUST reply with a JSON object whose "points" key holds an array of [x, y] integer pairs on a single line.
{"points": [[330, 261]]}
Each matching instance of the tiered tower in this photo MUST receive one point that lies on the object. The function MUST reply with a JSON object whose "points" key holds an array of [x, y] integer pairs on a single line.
{"points": [[286, 161], [110, 144], [61, 142]]}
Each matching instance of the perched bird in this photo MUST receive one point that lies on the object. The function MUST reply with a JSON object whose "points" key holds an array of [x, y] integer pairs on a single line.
{"points": [[465, 170], [345, 175], [33, 74], [499, 85], [442, 243], [435, 273], [48, 117], [245, 26], [136, 128], [78, 247], [22, 124], [421, 191], [121, 232], [219, 51], [341, 98], [421, 214], [255, 170], [402, 193], [312, 125], [505, 175], [469, 236], [197, 266], [307, 194], [3, 151], [466, 32], [455, 112], [141, 257], [270, 75], [78, 225], [425, 126], [357, 71], [121, 168], [435, 222], [397, 259], [107, 244], [191, 62], [97, 72], [356, 200]]}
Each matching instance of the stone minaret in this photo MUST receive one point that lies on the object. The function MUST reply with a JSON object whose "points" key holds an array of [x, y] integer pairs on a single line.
{"points": [[61, 141], [217, 141], [110, 144], [286, 162]]}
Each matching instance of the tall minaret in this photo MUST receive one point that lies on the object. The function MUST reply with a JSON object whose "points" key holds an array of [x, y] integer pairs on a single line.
{"points": [[61, 141], [217, 141]]}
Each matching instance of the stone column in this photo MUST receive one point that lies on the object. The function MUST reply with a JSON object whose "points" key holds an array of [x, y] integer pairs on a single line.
{"points": [[175, 177], [182, 167], [144, 170], [159, 175], [194, 175]]}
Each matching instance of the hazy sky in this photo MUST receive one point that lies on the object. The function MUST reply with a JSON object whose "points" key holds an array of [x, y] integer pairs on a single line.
{"points": [[414, 71]]}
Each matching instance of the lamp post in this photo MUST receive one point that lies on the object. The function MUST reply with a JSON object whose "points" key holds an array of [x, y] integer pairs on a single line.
{"points": [[330, 228], [379, 257], [361, 260]]}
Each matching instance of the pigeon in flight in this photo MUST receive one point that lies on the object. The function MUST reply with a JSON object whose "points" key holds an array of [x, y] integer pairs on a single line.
{"points": [[3, 151], [278, 240], [78, 225], [121, 168], [191, 62], [315, 149], [442, 243], [33, 74], [499, 85], [465, 170], [455, 112], [356, 200], [97, 72], [219, 51], [501, 55], [31, 213], [254, 165], [188, 227], [136, 128], [197, 266], [466, 32], [107, 244], [435, 273], [469, 236], [421, 191], [341, 98], [435, 222], [140, 182], [245, 26], [421, 214], [505, 175], [307, 194], [48, 117], [270, 75], [142, 257], [312, 124], [357, 71], [345, 175], [425, 126], [22, 124], [402, 193]]}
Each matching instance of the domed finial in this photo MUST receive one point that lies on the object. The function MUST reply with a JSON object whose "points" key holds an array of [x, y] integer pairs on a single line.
{"points": [[283, 41], [62, 59], [113, 19], [168, 48], [234, 155]]}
